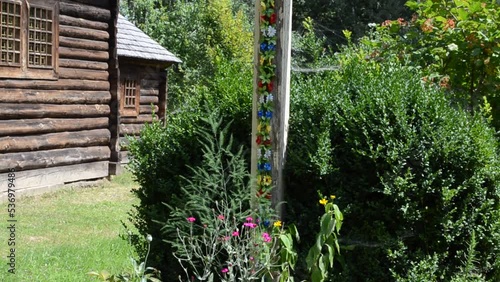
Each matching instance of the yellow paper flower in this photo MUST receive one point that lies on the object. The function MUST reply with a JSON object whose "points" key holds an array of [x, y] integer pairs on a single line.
{"points": [[268, 128], [277, 223], [259, 127], [332, 197], [267, 180], [323, 201], [261, 61]]}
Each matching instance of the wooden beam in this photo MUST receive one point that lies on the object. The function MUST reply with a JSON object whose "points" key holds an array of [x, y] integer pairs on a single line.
{"points": [[51, 158], [15, 111], [131, 129], [83, 54], [48, 125], [27, 96], [148, 100], [83, 33], [61, 84], [279, 132], [83, 74], [81, 64], [83, 43], [98, 3], [72, 21], [30, 182], [86, 138], [147, 109], [149, 92], [140, 119], [85, 12]]}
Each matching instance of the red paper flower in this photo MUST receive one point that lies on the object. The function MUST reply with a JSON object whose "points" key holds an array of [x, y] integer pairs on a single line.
{"points": [[272, 18], [267, 142], [259, 140], [261, 84], [261, 193], [270, 87], [263, 18]]}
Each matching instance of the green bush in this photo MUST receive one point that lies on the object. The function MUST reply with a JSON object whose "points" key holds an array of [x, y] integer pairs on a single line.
{"points": [[416, 176]]}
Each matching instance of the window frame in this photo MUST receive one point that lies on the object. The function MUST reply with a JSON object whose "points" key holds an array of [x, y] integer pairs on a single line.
{"points": [[127, 110], [24, 70]]}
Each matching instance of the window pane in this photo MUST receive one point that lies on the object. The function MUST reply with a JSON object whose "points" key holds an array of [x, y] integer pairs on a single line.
{"points": [[40, 37], [10, 33], [130, 90]]}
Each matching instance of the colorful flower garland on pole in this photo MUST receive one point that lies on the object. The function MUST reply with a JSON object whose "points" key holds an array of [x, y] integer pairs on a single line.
{"points": [[267, 75]]}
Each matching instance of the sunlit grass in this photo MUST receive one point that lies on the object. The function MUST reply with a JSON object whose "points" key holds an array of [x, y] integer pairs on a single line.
{"points": [[63, 235]]}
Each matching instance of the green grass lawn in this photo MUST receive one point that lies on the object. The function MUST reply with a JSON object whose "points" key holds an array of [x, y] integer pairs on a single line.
{"points": [[63, 235]]}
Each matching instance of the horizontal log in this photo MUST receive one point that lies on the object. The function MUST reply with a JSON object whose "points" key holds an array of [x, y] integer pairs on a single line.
{"points": [[51, 158], [131, 129], [61, 84], [147, 109], [125, 157], [54, 96], [83, 74], [86, 138], [139, 119], [47, 125], [85, 12], [150, 84], [83, 54], [149, 92], [35, 181], [15, 111], [83, 43], [72, 21], [83, 33], [98, 3], [148, 100], [81, 64]]}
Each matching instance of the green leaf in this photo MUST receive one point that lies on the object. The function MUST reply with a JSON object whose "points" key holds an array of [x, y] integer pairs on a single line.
{"points": [[286, 241]]}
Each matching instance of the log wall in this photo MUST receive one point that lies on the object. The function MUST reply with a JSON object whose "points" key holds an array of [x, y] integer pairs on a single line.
{"points": [[152, 82], [61, 126]]}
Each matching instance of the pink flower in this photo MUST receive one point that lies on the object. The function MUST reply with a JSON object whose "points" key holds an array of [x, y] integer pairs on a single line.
{"points": [[191, 219], [225, 270], [236, 233], [221, 217], [249, 224], [266, 237], [226, 238], [251, 258], [249, 219]]}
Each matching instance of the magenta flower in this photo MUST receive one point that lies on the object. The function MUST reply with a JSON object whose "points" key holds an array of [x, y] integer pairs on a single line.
{"points": [[266, 237], [249, 224], [236, 233], [221, 217], [249, 219], [225, 270], [191, 219]]}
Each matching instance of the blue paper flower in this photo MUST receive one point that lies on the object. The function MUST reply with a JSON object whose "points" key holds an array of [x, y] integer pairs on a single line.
{"points": [[267, 166], [271, 47], [260, 114], [263, 46], [266, 223], [269, 114]]}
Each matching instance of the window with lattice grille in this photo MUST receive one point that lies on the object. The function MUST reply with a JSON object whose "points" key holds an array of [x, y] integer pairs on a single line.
{"points": [[28, 39], [129, 103]]}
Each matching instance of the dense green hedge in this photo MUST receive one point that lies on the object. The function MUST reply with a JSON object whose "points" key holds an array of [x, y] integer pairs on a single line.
{"points": [[418, 180]]}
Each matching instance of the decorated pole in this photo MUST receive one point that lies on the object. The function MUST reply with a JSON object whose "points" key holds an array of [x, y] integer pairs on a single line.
{"points": [[271, 98]]}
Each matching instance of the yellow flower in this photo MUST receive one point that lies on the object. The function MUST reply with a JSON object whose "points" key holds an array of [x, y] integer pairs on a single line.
{"points": [[261, 61], [259, 180], [268, 128], [259, 127], [323, 201], [332, 197], [277, 223], [267, 180]]}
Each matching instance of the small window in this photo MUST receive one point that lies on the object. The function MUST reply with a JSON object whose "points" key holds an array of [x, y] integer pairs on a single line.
{"points": [[130, 95], [28, 39]]}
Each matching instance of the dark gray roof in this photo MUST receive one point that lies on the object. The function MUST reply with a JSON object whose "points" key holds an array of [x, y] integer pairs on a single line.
{"points": [[133, 43]]}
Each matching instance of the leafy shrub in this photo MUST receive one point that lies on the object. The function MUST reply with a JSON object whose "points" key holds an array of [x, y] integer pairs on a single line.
{"points": [[417, 176]]}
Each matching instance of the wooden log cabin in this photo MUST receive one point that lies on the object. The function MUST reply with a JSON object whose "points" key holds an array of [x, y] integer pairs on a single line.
{"points": [[69, 92]]}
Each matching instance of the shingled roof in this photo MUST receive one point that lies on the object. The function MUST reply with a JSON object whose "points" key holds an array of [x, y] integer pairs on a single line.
{"points": [[133, 43]]}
